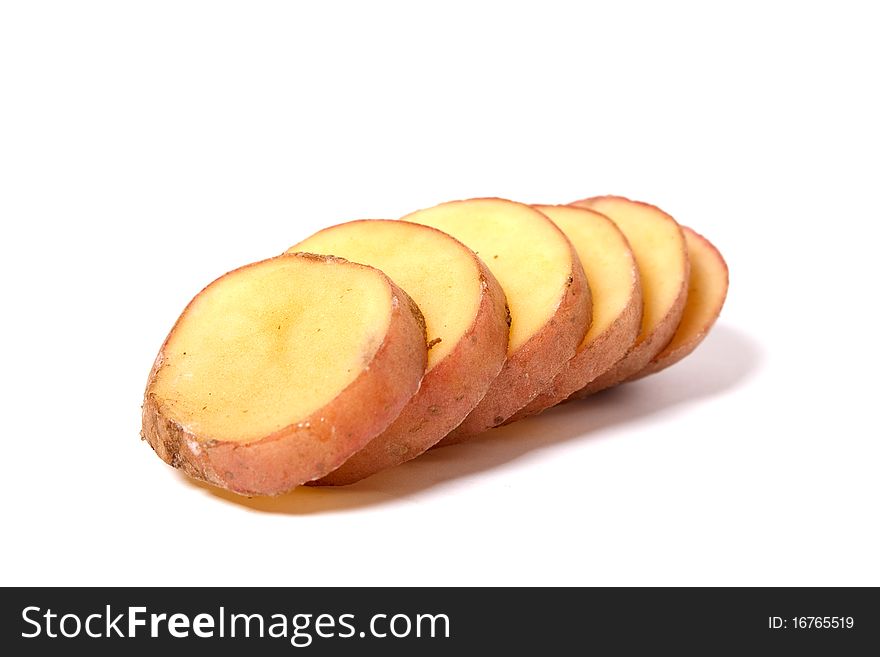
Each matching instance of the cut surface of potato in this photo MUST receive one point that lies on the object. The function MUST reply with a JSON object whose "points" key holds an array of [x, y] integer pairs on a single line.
{"points": [[616, 295], [546, 291], [707, 290], [466, 324], [658, 244], [278, 371]]}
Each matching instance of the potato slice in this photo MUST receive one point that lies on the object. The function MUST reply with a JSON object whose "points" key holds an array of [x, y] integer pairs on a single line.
{"points": [[546, 291], [707, 290], [658, 244], [617, 302], [466, 321], [278, 372]]}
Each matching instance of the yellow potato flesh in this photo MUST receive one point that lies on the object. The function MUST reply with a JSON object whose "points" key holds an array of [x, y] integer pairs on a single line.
{"points": [[265, 346], [529, 256], [707, 288], [606, 258], [659, 249], [439, 273]]}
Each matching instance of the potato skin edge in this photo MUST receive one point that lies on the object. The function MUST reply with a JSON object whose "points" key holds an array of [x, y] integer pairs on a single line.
{"points": [[448, 392], [532, 367], [599, 356], [642, 353], [312, 447], [663, 359]]}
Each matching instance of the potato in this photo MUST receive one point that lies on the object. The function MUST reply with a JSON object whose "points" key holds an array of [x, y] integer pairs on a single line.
{"points": [[707, 290], [658, 244], [279, 371], [466, 321], [546, 290], [617, 302]]}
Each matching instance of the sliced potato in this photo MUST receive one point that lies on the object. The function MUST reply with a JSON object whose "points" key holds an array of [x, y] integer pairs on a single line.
{"points": [[617, 302], [279, 371], [546, 290], [466, 321], [707, 290], [659, 247]]}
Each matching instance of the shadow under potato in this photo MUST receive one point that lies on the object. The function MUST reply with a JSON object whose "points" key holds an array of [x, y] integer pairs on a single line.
{"points": [[724, 361]]}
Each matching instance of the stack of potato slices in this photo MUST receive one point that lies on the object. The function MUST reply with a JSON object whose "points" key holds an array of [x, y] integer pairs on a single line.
{"points": [[372, 341]]}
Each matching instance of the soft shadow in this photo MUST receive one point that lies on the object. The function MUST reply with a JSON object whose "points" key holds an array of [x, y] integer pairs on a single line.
{"points": [[721, 364]]}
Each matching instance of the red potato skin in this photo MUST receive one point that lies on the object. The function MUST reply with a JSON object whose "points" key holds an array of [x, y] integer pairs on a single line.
{"points": [[641, 354], [666, 357], [608, 348], [532, 367], [450, 390], [316, 445]]}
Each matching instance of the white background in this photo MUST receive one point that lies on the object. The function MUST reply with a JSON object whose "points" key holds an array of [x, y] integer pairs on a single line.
{"points": [[146, 148]]}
